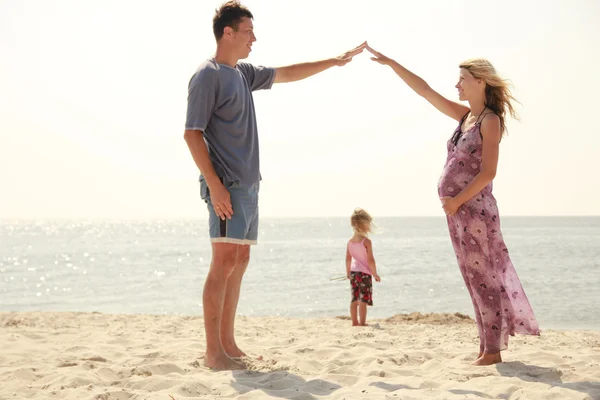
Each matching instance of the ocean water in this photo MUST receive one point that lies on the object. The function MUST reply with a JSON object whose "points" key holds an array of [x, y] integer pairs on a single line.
{"points": [[158, 267]]}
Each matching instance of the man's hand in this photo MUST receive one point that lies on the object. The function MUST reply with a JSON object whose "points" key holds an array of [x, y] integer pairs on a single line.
{"points": [[297, 72], [377, 56], [347, 56], [221, 200]]}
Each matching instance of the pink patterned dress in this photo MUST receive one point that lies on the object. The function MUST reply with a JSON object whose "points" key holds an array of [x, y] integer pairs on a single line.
{"points": [[501, 306]]}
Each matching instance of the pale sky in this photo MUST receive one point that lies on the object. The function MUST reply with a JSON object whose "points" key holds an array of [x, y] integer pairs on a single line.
{"points": [[93, 101]]}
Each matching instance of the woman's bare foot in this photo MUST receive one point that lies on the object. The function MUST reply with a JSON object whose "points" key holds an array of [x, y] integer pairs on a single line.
{"points": [[488, 359], [222, 363], [365, 324]]}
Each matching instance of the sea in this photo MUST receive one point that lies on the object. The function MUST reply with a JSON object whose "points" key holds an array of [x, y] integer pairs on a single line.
{"points": [[159, 267]]}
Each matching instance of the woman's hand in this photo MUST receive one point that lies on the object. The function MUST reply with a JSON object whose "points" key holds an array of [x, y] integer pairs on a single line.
{"points": [[449, 205], [378, 57]]}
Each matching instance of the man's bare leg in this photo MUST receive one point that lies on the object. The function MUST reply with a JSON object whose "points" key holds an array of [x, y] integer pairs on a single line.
{"points": [[354, 313], [362, 312], [221, 267], [232, 296]]}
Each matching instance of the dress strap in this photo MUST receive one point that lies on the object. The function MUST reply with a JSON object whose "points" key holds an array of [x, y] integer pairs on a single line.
{"points": [[483, 115], [464, 117]]}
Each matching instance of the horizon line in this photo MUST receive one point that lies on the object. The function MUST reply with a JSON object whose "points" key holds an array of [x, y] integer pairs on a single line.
{"points": [[163, 218]]}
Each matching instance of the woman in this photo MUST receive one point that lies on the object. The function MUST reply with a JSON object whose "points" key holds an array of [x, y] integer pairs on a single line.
{"points": [[465, 189]]}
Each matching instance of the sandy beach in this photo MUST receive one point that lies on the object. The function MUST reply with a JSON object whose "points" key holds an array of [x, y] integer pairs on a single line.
{"points": [[102, 356]]}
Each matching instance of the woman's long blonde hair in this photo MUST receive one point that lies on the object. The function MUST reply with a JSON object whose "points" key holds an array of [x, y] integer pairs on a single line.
{"points": [[361, 221], [498, 94]]}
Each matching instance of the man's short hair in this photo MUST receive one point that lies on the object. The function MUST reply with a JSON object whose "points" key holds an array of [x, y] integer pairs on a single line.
{"points": [[229, 14]]}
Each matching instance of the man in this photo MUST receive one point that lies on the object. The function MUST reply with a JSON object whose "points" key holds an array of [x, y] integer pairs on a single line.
{"points": [[221, 133]]}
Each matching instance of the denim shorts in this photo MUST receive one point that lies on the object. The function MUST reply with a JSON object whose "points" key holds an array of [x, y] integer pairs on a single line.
{"points": [[242, 228]]}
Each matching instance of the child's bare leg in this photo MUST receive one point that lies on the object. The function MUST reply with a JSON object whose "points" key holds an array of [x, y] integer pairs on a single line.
{"points": [[353, 313], [362, 311]]}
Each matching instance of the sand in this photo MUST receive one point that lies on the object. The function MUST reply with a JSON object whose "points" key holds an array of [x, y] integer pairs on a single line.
{"points": [[101, 356]]}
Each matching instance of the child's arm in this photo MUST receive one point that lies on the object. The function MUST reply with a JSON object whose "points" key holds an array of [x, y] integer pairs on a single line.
{"points": [[348, 262], [371, 259]]}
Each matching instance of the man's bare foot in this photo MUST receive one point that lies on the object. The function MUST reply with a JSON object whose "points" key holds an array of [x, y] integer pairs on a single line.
{"points": [[238, 354], [223, 363], [241, 358], [488, 359], [234, 352]]}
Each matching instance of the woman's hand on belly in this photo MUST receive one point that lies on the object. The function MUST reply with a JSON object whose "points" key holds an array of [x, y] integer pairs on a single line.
{"points": [[449, 205]]}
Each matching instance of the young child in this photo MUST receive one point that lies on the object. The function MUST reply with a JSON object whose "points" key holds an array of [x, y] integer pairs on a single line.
{"points": [[360, 266]]}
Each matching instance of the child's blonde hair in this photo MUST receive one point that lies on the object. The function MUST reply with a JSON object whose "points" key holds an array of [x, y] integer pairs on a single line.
{"points": [[361, 221]]}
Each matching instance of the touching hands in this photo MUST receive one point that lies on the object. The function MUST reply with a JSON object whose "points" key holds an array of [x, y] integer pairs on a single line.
{"points": [[347, 56]]}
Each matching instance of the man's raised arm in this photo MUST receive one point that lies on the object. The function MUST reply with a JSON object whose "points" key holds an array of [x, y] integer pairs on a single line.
{"points": [[301, 71]]}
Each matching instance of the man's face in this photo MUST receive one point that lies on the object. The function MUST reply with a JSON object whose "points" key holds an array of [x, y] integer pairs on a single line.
{"points": [[243, 38]]}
